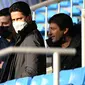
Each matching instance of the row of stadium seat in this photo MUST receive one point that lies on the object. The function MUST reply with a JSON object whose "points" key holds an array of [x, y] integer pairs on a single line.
{"points": [[53, 9], [63, 4], [40, 18], [67, 77]]}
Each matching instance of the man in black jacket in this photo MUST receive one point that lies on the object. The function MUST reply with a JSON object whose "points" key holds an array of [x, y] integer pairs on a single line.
{"points": [[63, 34], [6, 36], [28, 36]]}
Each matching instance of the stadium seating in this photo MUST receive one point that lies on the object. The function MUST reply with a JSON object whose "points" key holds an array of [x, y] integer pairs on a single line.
{"points": [[80, 1], [64, 11], [20, 81], [64, 4], [76, 11], [23, 81], [40, 27], [43, 80], [75, 20], [77, 76], [75, 2], [2, 84], [39, 10], [51, 13], [64, 8], [53, 7], [72, 77], [11, 82], [67, 77], [40, 18]]}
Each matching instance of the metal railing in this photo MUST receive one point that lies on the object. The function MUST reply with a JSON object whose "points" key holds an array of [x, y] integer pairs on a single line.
{"points": [[83, 37], [55, 51]]}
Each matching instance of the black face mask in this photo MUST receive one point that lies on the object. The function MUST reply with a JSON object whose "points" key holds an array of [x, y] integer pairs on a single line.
{"points": [[5, 31]]}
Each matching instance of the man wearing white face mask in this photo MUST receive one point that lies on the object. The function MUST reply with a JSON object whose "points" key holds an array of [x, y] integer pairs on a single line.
{"points": [[28, 36], [19, 25]]}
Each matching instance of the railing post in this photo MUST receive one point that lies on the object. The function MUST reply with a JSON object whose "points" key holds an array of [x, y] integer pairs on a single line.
{"points": [[33, 15], [56, 65], [83, 37], [46, 24]]}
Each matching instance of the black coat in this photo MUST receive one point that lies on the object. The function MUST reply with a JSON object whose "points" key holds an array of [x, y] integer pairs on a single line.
{"points": [[69, 62], [23, 65], [3, 44]]}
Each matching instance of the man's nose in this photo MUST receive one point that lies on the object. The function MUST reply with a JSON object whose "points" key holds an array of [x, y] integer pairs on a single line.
{"points": [[49, 33]]}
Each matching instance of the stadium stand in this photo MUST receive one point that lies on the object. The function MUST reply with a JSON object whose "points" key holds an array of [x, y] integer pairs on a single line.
{"points": [[51, 13], [75, 2], [11, 82], [64, 8], [23, 81], [76, 11], [40, 18], [64, 4], [53, 7], [67, 77], [39, 10]]}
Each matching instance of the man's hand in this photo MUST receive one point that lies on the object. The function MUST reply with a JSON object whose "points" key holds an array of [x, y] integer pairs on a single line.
{"points": [[1, 64]]}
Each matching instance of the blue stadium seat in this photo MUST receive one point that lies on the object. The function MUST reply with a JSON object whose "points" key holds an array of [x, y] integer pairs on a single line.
{"points": [[53, 7], [81, 4], [65, 4], [42, 80], [23, 81], [75, 2], [11, 82], [80, 1], [73, 77], [1, 83], [40, 27], [75, 20], [39, 10], [76, 11], [65, 76], [77, 76], [40, 18], [51, 13], [64, 11]]}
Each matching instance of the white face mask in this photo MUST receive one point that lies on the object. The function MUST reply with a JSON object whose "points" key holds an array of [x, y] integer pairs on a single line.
{"points": [[18, 26]]}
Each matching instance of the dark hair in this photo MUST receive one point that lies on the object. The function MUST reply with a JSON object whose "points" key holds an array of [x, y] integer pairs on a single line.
{"points": [[21, 7], [4, 12], [62, 20]]}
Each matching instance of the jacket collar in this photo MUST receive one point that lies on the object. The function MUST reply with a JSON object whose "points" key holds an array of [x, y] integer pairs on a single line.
{"points": [[75, 42], [25, 32], [28, 29]]}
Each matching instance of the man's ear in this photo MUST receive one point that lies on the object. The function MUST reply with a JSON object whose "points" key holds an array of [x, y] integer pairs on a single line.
{"points": [[29, 18], [66, 31]]}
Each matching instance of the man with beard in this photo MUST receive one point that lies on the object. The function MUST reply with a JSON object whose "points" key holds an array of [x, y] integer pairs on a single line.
{"points": [[61, 34]]}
